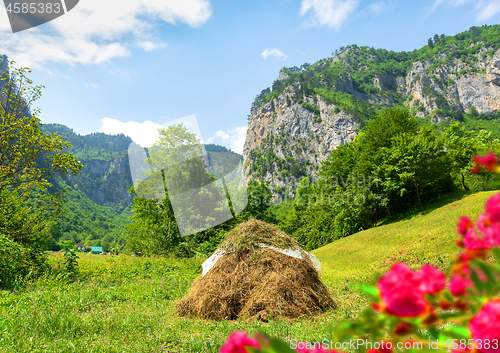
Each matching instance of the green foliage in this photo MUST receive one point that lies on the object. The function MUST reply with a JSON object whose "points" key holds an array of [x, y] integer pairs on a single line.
{"points": [[82, 220], [95, 146], [12, 261], [28, 157], [268, 161], [259, 99], [393, 165], [259, 201], [153, 229], [178, 161], [71, 265]]}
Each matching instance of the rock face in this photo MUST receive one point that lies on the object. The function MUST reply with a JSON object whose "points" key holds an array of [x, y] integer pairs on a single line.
{"points": [[292, 133], [462, 84], [295, 136], [105, 182]]}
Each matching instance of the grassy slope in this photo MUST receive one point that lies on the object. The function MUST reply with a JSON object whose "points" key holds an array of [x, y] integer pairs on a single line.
{"points": [[428, 237]]}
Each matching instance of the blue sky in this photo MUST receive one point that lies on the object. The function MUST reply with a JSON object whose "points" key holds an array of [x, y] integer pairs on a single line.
{"points": [[129, 65]]}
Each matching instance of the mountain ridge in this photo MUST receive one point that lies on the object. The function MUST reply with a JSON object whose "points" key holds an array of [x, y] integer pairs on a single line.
{"points": [[313, 109]]}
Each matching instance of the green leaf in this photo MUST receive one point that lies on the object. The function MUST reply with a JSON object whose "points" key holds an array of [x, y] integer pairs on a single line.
{"points": [[480, 285], [491, 273], [448, 297], [434, 332], [372, 291], [448, 316], [496, 253], [458, 332]]}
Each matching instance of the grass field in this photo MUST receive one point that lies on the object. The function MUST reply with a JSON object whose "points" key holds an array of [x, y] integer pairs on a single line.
{"points": [[125, 304]]}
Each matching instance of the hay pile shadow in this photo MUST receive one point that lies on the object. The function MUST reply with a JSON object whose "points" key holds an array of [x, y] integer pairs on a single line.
{"points": [[257, 283]]}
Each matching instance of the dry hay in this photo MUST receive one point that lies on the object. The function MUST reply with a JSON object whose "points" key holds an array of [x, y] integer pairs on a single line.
{"points": [[254, 282], [252, 233]]}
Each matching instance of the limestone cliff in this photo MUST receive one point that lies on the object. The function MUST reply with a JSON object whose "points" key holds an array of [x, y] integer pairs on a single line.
{"points": [[313, 109]]}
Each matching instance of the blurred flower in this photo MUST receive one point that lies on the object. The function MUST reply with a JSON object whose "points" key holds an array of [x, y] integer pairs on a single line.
{"points": [[237, 342], [402, 290], [464, 224], [475, 241], [485, 163], [403, 328], [461, 280], [492, 208], [489, 228], [486, 326], [385, 347]]}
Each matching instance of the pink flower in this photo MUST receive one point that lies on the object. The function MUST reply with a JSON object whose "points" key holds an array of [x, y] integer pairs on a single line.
{"points": [[490, 229], [458, 284], [433, 280], [486, 326], [488, 162], [474, 241], [402, 290], [237, 342], [464, 224], [461, 281], [492, 208]]}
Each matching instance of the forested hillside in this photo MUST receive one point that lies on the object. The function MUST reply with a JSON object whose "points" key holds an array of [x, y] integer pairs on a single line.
{"points": [[311, 110], [97, 201]]}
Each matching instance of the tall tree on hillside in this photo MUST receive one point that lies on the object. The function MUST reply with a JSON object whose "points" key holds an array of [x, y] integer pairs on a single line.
{"points": [[461, 149], [28, 157], [178, 197]]}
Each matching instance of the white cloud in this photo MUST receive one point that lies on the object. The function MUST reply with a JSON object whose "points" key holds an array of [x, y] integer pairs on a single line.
{"points": [[330, 13], [274, 52], [378, 7], [488, 11], [483, 9], [145, 134], [222, 135], [97, 31], [150, 46], [233, 139]]}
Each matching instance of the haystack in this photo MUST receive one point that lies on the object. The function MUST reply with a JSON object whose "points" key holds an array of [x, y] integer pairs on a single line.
{"points": [[254, 278]]}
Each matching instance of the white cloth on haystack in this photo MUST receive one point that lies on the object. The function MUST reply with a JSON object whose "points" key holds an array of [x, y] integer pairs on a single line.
{"points": [[298, 254]]}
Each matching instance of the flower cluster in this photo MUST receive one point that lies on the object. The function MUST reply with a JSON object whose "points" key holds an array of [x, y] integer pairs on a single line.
{"points": [[402, 291], [486, 233], [415, 306], [488, 163], [240, 342]]}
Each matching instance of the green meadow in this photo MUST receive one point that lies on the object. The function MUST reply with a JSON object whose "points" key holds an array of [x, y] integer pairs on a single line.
{"points": [[126, 303]]}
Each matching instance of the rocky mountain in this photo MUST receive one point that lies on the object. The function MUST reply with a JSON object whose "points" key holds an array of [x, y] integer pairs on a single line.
{"points": [[311, 110], [106, 176]]}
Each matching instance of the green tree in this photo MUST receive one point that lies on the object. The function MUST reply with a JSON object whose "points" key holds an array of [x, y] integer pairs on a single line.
{"points": [[259, 201], [415, 164], [28, 157], [178, 179], [461, 149]]}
